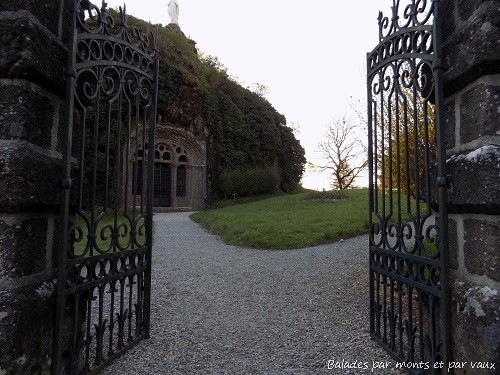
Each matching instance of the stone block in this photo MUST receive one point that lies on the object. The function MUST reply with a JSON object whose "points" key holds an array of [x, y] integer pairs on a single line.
{"points": [[473, 50], [28, 52], [479, 112], [29, 179], [447, 11], [466, 8], [476, 323], [450, 126], [481, 250], [23, 247], [55, 242], [25, 113], [474, 177], [453, 243], [26, 329], [47, 11], [66, 24]]}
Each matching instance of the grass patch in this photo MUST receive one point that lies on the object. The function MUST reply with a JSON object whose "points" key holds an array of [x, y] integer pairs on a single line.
{"points": [[236, 201], [288, 221]]}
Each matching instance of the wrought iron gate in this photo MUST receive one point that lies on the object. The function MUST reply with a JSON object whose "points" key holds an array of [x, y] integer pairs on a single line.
{"points": [[104, 256], [408, 243]]}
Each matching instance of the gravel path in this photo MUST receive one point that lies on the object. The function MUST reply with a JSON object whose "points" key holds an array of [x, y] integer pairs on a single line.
{"points": [[219, 309]]}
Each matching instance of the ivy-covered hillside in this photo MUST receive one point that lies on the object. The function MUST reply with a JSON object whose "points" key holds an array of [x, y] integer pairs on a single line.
{"points": [[250, 143]]}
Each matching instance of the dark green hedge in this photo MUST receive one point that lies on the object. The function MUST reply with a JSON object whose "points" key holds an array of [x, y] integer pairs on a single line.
{"points": [[250, 181]]}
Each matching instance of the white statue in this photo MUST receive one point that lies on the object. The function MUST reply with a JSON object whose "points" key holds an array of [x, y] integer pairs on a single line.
{"points": [[173, 11]]}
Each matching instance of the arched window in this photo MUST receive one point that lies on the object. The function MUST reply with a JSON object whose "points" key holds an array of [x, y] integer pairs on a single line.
{"points": [[162, 153], [162, 184], [181, 181]]}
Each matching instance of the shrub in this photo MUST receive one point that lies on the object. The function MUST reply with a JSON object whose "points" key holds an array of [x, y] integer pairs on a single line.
{"points": [[248, 181]]}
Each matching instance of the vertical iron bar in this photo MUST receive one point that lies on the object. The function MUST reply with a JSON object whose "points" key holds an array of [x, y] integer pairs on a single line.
{"points": [[145, 151], [138, 314], [411, 350], [375, 154], [150, 192], [384, 308], [378, 304], [432, 325], [112, 287], [118, 166], [83, 117], [438, 69], [121, 325], [382, 154], [390, 151], [416, 153], [130, 307], [400, 331], [392, 342], [65, 195], [135, 184], [427, 161], [106, 163], [126, 165], [93, 223], [101, 328], [407, 154], [87, 339], [398, 161], [421, 327], [370, 195], [74, 346]]}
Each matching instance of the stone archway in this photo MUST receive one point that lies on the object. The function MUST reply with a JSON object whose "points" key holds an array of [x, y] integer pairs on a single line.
{"points": [[188, 160], [180, 169]]}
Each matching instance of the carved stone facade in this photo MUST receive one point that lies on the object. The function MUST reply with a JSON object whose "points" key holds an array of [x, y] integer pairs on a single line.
{"points": [[180, 169], [188, 165]]}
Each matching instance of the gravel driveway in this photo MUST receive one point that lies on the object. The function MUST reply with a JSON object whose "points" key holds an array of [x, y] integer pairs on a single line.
{"points": [[219, 309]]}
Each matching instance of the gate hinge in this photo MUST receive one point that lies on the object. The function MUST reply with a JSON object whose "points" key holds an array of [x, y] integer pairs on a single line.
{"points": [[66, 183], [70, 72], [444, 181], [440, 64]]}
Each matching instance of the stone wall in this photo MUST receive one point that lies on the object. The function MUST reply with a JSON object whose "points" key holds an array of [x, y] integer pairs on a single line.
{"points": [[471, 46], [32, 58]]}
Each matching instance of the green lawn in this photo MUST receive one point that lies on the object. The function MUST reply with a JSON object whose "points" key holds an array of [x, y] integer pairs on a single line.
{"points": [[288, 221]]}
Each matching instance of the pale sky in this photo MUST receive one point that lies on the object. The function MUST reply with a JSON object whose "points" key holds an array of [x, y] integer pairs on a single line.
{"points": [[310, 54]]}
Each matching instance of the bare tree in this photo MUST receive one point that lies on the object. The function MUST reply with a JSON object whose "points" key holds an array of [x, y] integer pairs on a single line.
{"points": [[344, 153]]}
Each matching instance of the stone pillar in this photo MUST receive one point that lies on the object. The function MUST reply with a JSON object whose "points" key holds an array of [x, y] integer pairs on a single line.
{"points": [[471, 46], [32, 57]]}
